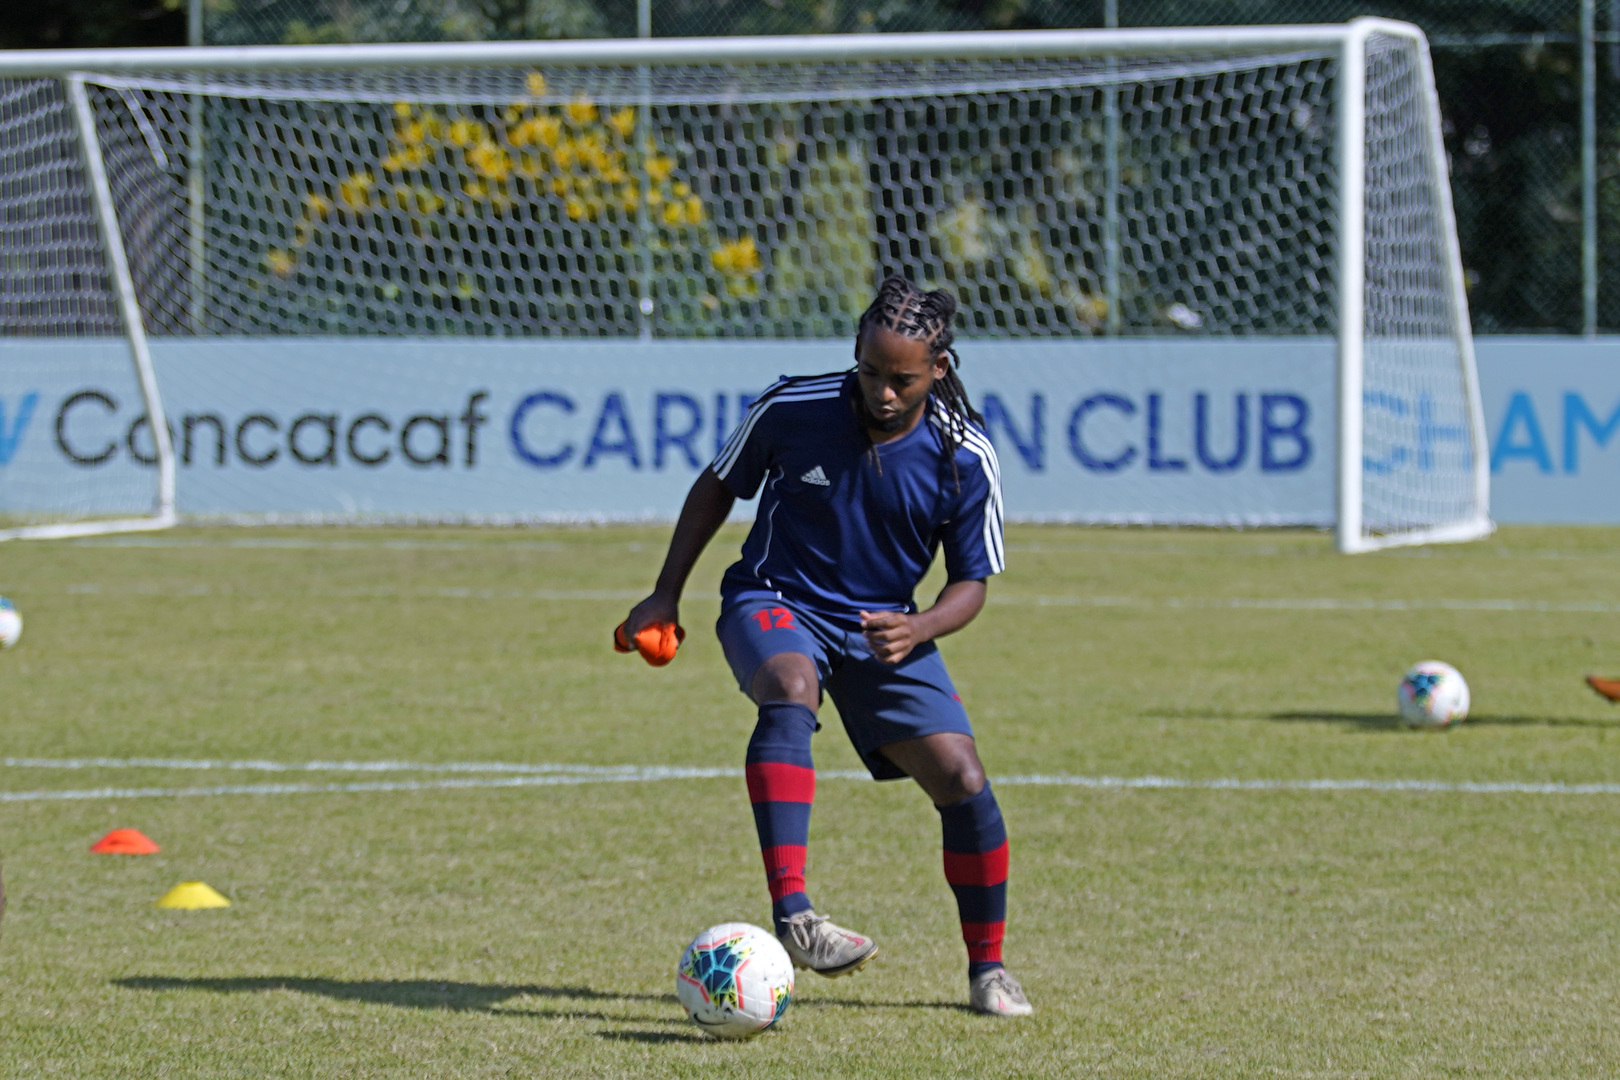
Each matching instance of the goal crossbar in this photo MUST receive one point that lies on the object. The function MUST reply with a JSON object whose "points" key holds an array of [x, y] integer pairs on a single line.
{"points": [[847, 48]]}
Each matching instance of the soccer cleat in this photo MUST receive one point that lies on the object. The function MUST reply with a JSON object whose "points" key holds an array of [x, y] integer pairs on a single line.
{"points": [[996, 993], [823, 947], [1609, 688]]}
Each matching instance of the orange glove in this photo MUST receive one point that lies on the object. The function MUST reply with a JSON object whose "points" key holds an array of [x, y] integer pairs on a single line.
{"points": [[656, 643]]}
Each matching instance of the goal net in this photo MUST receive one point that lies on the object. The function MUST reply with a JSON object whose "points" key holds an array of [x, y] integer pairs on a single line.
{"points": [[68, 311], [1166, 197]]}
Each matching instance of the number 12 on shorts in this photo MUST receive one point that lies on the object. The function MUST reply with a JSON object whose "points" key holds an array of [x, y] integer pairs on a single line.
{"points": [[776, 617]]}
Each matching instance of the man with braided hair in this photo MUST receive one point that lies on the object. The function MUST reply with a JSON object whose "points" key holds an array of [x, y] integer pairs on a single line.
{"points": [[866, 475]]}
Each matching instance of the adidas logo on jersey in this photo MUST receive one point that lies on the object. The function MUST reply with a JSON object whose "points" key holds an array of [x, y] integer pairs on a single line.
{"points": [[817, 477]]}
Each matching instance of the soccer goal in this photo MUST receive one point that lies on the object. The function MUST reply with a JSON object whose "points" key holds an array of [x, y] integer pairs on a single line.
{"points": [[1163, 198]]}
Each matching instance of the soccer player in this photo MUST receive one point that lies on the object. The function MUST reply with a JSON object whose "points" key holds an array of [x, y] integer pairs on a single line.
{"points": [[866, 475]]}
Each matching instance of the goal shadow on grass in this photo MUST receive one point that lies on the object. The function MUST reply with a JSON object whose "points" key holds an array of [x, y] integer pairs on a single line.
{"points": [[408, 993], [1388, 722], [1380, 721]]}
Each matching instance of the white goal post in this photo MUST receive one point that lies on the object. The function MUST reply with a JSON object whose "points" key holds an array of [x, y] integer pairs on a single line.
{"points": [[1163, 196]]}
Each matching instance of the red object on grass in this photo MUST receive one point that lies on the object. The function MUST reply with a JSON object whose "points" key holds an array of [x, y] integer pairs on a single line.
{"points": [[1609, 688], [125, 842]]}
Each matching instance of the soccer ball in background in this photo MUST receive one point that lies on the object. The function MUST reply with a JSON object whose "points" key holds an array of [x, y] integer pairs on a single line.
{"points": [[1432, 695], [734, 980], [10, 624]]}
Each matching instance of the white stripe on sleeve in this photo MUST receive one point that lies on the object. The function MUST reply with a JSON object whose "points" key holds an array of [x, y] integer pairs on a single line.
{"points": [[786, 390]]}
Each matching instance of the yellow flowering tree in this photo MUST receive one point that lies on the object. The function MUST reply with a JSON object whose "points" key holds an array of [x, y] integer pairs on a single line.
{"points": [[575, 164]]}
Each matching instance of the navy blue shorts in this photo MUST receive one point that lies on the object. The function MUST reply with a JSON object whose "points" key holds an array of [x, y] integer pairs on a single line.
{"points": [[879, 703]]}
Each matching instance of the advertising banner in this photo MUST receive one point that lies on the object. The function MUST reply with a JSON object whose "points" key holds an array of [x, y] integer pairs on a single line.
{"points": [[1214, 432], [1552, 406]]}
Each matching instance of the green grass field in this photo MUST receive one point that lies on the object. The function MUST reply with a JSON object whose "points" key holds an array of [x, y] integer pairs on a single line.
{"points": [[532, 930]]}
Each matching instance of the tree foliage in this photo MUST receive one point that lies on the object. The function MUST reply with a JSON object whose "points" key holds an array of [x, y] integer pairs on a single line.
{"points": [[86, 24]]}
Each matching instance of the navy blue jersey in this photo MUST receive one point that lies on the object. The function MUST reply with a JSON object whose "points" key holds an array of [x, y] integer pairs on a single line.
{"points": [[846, 526]]}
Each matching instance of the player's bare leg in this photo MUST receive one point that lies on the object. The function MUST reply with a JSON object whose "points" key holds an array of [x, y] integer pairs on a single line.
{"points": [[788, 676], [946, 765], [781, 786]]}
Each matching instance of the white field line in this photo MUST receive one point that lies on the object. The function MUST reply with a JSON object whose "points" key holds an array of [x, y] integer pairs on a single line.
{"points": [[552, 780], [1171, 549], [255, 765], [1128, 603], [556, 775], [442, 593], [1308, 603], [293, 543]]}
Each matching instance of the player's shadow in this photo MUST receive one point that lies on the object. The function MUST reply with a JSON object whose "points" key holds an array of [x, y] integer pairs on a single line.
{"points": [[1388, 722], [803, 1004], [799, 1005], [654, 1037], [408, 993], [457, 996]]}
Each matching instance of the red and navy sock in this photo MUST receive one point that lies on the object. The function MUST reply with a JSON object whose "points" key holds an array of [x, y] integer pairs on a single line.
{"points": [[782, 785], [976, 868]]}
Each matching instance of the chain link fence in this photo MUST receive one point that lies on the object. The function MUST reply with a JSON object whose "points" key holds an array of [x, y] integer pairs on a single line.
{"points": [[1516, 80]]}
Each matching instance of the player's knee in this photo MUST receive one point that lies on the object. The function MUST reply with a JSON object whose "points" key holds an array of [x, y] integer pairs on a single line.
{"points": [[957, 776], [794, 686], [787, 681], [965, 778]]}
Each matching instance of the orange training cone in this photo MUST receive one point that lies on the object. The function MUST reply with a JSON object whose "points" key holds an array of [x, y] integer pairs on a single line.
{"points": [[125, 842]]}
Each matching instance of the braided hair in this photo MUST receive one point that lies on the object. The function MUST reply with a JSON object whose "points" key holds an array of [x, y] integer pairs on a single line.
{"points": [[904, 309]]}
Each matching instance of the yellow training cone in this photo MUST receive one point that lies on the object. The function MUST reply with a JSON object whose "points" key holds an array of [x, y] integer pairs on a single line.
{"points": [[191, 895]]}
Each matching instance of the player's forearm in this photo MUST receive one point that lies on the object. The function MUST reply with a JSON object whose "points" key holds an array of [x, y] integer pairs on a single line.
{"points": [[705, 510], [956, 606]]}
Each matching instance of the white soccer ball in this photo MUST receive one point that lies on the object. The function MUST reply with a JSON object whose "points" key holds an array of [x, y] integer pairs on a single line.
{"points": [[10, 624], [734, 980], [1432, 695]]}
